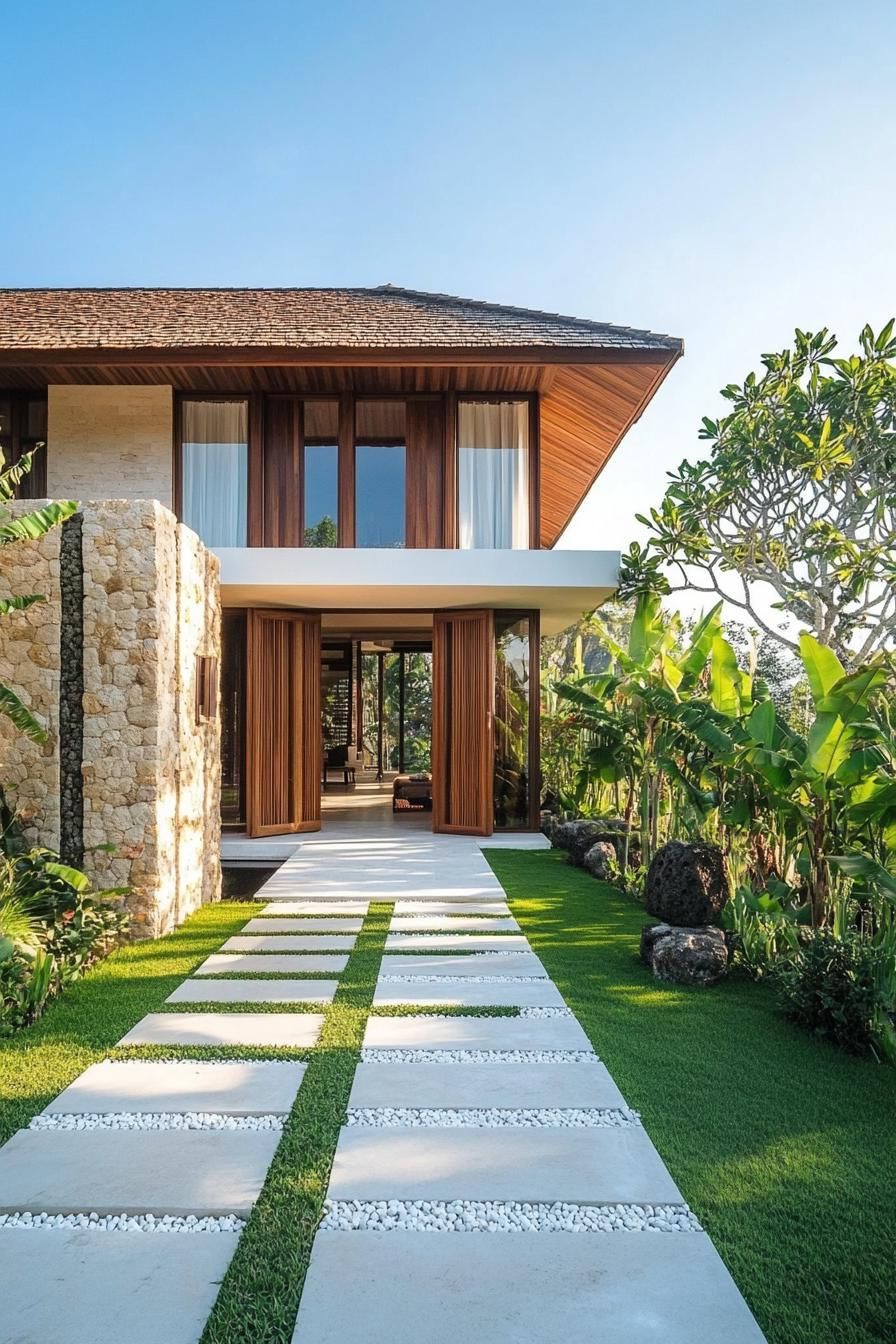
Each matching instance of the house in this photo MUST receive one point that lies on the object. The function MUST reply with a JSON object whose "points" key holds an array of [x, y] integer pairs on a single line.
{"points": [[383, 475]]}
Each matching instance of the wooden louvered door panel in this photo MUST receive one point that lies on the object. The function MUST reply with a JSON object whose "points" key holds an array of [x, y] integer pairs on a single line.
{"points": [[462, 722], [283, 722]]}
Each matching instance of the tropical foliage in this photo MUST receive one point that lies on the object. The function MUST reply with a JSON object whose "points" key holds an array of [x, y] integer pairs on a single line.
{"points": [[28, 526], [796, 499], [53, 926], [681, 739]]}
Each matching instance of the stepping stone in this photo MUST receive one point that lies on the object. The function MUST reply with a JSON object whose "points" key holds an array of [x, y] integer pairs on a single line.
{"points": [[410, 909], [141, 1086], [462, 942], [450, 924], [610, 1165], [468, 1086], [307, 925], [254, 991], [509, 994], [288, 942], [289, 906], [270, 963], [158, 1171], [521, 963], [68, 1286], [272, 1029], [541, 1287], [474, 1033]]}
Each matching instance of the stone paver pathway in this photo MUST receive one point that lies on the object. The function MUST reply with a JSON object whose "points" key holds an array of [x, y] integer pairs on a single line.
{"points": [[489, 1183]]}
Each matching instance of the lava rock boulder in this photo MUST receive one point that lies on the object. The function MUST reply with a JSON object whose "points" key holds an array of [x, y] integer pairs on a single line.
{"points": [[697, 956], [601, 862], [687, 885]]}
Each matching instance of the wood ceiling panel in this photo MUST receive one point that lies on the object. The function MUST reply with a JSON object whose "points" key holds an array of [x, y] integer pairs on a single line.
{"points": [[584, 414], [284, 378]]}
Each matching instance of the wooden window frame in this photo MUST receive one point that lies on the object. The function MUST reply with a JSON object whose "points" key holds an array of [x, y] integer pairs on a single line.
{"points": [[452, 502], [18, 441], [347, 402]]}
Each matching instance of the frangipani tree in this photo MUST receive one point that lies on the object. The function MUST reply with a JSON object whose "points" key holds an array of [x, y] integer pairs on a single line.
{"points": [[797, 496]]}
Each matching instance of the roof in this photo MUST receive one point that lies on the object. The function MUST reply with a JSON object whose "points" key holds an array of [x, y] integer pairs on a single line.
{"points": [[384, 317]]}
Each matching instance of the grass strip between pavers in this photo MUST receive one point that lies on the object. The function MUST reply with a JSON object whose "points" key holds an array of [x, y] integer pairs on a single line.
{"points": [[784, 1147], [259, 1297], [81, 1027]]}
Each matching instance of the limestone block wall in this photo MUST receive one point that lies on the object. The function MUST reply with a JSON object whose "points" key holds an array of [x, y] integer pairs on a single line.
{"points": [[150, 774], [97, 436]]}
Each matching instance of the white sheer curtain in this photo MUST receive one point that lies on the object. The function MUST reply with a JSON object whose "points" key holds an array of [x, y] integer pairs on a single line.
{"points": [[493, 475], [214, 470]]}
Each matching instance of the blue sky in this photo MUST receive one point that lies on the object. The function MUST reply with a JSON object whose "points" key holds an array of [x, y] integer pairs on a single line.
{"points": [[720, 171]]}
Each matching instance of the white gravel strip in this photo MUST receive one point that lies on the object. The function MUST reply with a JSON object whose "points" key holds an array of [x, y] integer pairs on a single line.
{"points": [[466, 979], [468, 1215], [491, 1117], [122, 1222], [155, 1120], [370, 1055]]}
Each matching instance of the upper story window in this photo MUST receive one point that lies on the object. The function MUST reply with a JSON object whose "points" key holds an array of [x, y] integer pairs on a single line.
{"points": [[321, 473], [214, 467], [380, 513], [493, 475]]}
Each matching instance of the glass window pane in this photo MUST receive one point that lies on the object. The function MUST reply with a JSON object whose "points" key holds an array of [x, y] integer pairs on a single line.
{"points": [[36, 419], [493, 475], [214, 457], [512, 704], [380, 473]]}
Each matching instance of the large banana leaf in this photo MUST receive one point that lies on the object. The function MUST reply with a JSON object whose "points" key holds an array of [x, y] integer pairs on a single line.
{"points": [[24, 720], [725, 678], [37, 523], [859, 865], [823, 667]]}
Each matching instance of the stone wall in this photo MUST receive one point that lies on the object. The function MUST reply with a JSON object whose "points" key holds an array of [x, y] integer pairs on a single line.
{"points": [[100, 435], [150, 773]]}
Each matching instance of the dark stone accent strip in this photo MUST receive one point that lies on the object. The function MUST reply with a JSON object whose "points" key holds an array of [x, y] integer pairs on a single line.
{"points": [[71, 692]]}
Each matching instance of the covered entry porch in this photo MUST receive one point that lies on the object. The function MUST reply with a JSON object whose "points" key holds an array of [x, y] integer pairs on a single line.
{"points": [[407, 721]]}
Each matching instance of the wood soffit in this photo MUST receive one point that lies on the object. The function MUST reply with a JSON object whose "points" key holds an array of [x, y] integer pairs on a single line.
{"points": [[589, 399]]}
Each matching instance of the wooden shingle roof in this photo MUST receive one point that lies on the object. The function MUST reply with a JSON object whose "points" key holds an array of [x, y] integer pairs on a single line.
{"points": [[385, 317]]}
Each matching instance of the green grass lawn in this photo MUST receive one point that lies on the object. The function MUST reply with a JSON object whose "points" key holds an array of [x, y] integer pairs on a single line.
{"points": [[783, 1147], [82, 1025]]}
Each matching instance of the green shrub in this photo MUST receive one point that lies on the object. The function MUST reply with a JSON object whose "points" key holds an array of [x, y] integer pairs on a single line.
{"points": [[53, 926], [830, 986]]}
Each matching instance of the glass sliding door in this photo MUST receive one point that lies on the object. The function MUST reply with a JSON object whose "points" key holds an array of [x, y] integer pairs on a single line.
{"points": [[380, 509], [321, 473], [493, 475], [516, 691], [214, 465]]}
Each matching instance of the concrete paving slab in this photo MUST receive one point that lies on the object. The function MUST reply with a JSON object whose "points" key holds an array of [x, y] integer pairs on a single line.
{"points": [[467, 1086], [468, 994], [271, 1029], [520, 963], [541, 1287], [475, 1033], [424, 907], [65, 1286], [291, 906], [159, 1171], [289, 942], [145, 1086], [449, 942], [254, 991], [285, 963], [452, 924], [609, 1165], [309, 924]]}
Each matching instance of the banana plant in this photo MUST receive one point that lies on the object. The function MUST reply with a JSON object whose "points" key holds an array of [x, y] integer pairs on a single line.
{"points": [[26, 527]]}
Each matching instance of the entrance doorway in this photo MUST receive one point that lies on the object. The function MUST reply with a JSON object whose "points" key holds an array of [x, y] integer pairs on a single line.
{"points": [[424, 716]]}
